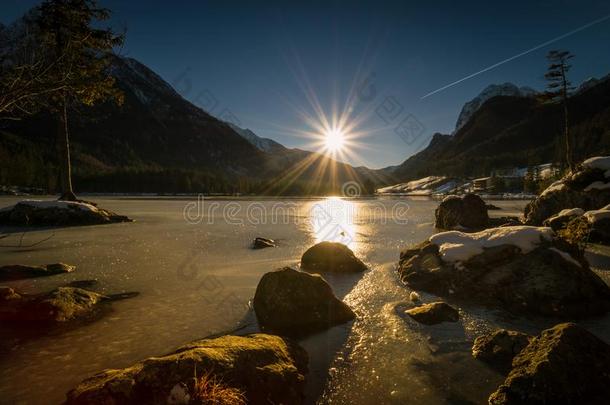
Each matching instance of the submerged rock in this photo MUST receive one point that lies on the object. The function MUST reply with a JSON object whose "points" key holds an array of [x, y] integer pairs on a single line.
{"points": [[57, 213], [522, 269], [60, 305], [292, 302], [500, 347], [267, 369], [588, 188], [433, 313], [18, 271], [331, 257], [261, 243], [565, 364], [468, 211]]}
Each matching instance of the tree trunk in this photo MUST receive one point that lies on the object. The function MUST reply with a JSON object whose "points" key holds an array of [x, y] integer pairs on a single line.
{"points": [[63, 150], [569, 156]]}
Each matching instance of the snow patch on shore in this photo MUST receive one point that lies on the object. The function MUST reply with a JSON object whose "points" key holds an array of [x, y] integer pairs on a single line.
{"points": [[597, 162], [569, 212], [595, 215], [556, 186], [455, 246], [59, 204]]}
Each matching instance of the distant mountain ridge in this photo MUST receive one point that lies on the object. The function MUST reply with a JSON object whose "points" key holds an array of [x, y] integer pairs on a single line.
{"points": [[159, 142], [263, 144], [508, 131]]}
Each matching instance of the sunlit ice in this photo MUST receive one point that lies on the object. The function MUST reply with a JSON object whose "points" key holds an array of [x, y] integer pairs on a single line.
{"points": [[333, 220]]}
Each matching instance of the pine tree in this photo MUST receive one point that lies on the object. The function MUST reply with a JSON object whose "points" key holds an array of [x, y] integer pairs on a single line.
{"points": [[558, 91], [81, 55]]}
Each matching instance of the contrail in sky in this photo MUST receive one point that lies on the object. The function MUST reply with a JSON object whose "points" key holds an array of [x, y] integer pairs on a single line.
{"points": [[542, 45]]}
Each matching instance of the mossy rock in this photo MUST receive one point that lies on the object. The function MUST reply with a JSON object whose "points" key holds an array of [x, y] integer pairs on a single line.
{"points": [[18, 271], [296, 303], [268, 369], [499, 348], [563, 365], [433, 313], [331, 257], [468, 211], [57, 306]]}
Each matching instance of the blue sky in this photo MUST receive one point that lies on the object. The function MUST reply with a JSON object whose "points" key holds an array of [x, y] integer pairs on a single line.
{"points": [[263, 63]]}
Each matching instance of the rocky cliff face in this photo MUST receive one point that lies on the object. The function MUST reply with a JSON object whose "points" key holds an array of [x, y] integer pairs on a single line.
{"points": [[494, 90]]}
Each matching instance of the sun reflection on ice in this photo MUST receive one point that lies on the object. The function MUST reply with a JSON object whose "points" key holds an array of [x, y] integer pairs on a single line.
{"points": [[333, 220]]}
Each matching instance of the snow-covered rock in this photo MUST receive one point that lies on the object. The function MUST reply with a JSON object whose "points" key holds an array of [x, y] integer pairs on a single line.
{"points": [[505, 89], [559, 220], [456, 246], [598, 162], [57, 213], [596, 215], [44, 204], [521, 269], [587, 188]]}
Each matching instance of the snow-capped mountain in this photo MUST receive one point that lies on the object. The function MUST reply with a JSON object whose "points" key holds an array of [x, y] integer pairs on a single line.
{"points": [[263, 144], [591, 82], [505, 89]]}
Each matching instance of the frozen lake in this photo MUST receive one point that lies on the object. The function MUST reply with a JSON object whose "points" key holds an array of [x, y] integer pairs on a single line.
{"points": [[196, 275]]}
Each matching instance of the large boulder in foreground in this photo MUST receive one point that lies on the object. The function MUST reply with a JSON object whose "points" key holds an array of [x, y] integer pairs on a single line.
{"points": [[499, 347], [265, 369], [468, 211], [433, 313], [19, 271], [563, 365], [331, 257], [295, 303], [522, 269], [60, 305], [588, 188], [57, 213]]}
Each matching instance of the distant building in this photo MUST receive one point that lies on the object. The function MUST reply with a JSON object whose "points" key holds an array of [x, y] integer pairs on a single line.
{"points": [[539, 172], [481, 185]]}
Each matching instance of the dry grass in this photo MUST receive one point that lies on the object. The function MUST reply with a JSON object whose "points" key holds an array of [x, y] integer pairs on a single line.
{"points": [[210, 390], [577, 232]]}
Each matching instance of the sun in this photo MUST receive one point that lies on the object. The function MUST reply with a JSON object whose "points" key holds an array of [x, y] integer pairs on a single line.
{"points": [[334, 140]]}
